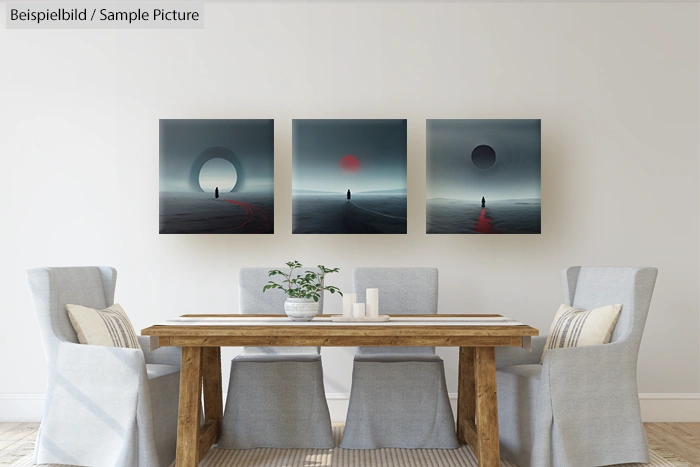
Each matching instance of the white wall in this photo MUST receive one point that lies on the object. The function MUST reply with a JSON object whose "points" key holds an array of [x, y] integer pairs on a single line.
{"points": [[615, 84]]}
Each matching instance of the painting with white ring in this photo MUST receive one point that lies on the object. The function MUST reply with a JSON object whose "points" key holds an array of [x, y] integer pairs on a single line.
{"points": [[216, 176], [483, 176]]}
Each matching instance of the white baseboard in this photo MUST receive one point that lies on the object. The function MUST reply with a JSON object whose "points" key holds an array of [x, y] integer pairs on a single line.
{"points": [[21, 407], [656, 407], [338, 406], [674, 407]]}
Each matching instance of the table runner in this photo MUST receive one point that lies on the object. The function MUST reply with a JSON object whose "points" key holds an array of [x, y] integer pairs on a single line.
{"points": [[326, 321]]}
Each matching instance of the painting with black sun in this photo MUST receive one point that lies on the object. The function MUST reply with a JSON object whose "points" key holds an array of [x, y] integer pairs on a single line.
{"points": [[483, 176], [349, 177], [217, 176]]}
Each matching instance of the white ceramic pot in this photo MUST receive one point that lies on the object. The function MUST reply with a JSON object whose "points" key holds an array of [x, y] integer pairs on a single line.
{"points": [[301, 309]]}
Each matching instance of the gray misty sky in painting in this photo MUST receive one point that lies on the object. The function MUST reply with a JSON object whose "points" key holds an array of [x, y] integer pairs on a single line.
{"points": [[320, 145], [514, 175], [251, 141]]}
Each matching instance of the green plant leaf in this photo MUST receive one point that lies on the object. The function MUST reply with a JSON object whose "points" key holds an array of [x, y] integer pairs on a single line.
{"points": [[308, 284]]}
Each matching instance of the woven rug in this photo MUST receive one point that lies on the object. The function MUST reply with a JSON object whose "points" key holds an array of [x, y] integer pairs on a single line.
{"points": [[462, 457]]}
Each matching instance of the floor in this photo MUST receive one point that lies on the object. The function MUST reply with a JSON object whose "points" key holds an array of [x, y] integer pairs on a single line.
{"points": [[682, 439]]}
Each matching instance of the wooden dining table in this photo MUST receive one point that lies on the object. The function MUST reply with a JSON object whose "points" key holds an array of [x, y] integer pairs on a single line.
{"points": [[202, 336]]}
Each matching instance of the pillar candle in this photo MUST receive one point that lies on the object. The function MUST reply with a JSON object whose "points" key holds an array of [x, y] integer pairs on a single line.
{"points": [[349, 300], [372, 303], [358, 310]]}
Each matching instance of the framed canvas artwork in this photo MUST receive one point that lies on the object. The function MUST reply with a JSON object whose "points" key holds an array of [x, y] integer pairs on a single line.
{"points": [[217, 176], [349, 177], [483, 176]]}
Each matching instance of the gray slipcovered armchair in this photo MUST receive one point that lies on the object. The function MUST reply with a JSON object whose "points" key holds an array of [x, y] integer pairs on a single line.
{"points": [[581, 406], [276, 396], [105, 406]]}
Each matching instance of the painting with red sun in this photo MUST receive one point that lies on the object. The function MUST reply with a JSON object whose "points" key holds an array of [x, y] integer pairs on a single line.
{"points": [[349, 176], [350, 164]]}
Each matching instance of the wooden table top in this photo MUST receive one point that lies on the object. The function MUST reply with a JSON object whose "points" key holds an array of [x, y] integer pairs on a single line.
{"points": [[322, 330]]}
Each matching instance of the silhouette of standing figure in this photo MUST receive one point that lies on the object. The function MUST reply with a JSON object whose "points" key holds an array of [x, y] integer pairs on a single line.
{"points": [[483, 202], [348, 194], [216, 193]]}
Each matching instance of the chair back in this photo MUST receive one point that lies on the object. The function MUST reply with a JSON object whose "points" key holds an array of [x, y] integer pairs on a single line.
{"points": [[252, 300], [54, 288], [408, 291], [589, 287]]}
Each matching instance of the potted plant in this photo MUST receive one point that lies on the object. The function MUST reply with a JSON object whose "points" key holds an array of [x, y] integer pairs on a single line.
{"points": [[303, 289]]}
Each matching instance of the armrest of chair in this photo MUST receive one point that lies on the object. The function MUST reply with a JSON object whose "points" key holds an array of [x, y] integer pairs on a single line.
{"points": [[101, 389], [97, 364], [578, 366], [596, 384], [508, 356], [162, 355], [100, 379]]}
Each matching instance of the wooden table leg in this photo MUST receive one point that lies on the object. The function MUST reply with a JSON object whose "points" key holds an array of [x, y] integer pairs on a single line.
{"points": [[190, 408], [466, 398], [213, 403], [486, 407]]}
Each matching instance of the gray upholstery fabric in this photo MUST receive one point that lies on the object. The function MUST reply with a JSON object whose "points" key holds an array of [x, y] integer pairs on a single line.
{"points": [[269, 358], [508, 356], [399, 396], [164, 390], [276, 397], [399, 404], [392, 358], [252, 300], [581, 406], [517, 399], [276, 401], [162, 355], [104, 405]]}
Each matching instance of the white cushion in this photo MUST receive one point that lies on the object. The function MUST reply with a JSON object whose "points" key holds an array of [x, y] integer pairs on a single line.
{"points": [[573, 327], [110, 327]]}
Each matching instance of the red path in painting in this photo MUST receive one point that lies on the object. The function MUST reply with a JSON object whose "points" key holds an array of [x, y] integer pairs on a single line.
{"points": [[483, 224], [252, 211]]}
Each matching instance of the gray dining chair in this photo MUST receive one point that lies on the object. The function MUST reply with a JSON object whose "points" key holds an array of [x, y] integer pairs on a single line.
{"points": [[581, 405], [399, 395], [276, 397], [105, 406]]}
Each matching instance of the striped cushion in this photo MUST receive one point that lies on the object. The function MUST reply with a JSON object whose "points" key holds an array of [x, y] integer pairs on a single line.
{"points": [[110, 327], [573, 327]]}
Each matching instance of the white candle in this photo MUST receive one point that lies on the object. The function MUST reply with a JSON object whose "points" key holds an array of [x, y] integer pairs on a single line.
{"points": [[358, 310], [349, 300], [372, 303]]}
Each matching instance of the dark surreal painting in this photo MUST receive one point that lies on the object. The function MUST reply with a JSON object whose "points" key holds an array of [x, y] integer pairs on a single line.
{"points": [[483, 176], [217, 176], [349, 177]]}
